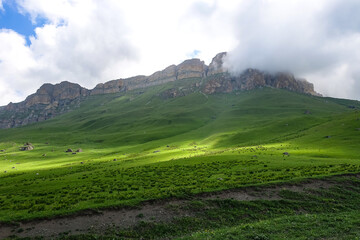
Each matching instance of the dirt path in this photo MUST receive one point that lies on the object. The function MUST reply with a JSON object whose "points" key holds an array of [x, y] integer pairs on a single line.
{"points": [[98, 222]]}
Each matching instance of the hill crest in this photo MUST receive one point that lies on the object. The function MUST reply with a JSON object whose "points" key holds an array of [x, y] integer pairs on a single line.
{"points": [[53, 100]]}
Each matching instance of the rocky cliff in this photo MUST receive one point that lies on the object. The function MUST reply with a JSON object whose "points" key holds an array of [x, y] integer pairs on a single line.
{"points": [[252, 78], [48, 102], [192, 68], [52, 100]]}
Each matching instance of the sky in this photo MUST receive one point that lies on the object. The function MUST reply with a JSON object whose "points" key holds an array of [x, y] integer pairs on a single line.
{"points": [[93, 41]]}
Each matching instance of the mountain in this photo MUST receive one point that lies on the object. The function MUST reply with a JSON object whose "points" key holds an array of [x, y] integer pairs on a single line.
{"points": [[53, 100], [144, 144], [196, 135]]}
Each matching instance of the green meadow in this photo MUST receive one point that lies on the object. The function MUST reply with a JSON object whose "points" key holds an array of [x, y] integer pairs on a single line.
{"points": [[138, 146]]}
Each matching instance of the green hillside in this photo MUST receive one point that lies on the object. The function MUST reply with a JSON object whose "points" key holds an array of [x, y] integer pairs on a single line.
{"points": [[139, 146]]}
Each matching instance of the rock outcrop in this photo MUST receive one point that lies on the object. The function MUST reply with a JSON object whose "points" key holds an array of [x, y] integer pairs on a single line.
{"points": [[48, 102], [166, 75], [192, 68], [252, 78], [217, 64], [27, 147], [108, 87], [49, 93], [52, 100]]}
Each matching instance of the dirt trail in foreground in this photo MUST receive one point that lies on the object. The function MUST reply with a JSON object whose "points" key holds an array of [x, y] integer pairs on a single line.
{"points": [[157, 211]]}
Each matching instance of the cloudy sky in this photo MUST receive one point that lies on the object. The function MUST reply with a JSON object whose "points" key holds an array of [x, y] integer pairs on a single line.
{"points": [[92, 41]]}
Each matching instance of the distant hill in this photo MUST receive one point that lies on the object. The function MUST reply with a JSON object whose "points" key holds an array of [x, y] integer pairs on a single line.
{"points": [[53, 100]]}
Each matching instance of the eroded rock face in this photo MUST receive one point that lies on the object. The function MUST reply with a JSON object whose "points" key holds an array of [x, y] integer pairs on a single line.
{"points": [[307, 87], [108, 87], [166, 75], [192, 68], [218, 84], [49, 93], [216, 65], [252, 78], [48, 101]]}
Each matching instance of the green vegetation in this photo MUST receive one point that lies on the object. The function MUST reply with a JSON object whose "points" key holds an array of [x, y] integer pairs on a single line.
{"points": [[138, 146], [317, 214], [325, 213]]}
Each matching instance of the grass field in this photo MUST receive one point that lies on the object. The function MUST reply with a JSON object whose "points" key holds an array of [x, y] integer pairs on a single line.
{"points": [[138, 146]]}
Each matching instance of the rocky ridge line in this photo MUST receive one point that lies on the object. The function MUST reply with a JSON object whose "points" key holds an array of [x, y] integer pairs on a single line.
{"points": [[52, 100]]}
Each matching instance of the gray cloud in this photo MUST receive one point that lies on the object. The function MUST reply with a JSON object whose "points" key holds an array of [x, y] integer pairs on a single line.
{"points": [[343, 17], [318, 40]]}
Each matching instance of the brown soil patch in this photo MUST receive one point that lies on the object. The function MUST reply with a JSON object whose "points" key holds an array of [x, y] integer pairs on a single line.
{"points": [[152, 211]]}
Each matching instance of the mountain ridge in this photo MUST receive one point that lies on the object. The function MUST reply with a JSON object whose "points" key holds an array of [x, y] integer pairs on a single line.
{"points": [[53, 100]]}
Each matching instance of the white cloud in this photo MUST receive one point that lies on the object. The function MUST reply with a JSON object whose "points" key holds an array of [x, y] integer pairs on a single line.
{"points": [[83, 42], [315, 39], [15, 59]]}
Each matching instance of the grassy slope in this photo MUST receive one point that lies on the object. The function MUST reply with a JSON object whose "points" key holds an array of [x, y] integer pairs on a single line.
{"points": [[172, 147]]}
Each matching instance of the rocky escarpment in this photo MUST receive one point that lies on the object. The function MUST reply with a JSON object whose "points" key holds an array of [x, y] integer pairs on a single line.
{"points": [[52, 100], [253, 78], [217, 64], [192, 68], [217, 77], [48, 102], [220, 80]]}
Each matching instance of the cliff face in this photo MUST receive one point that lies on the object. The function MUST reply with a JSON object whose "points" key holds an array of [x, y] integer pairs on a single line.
{"points": [[49, 93], [216, 65], [48, 102], [252, 78], [52, 100], [192, 68], [217, 76], [221, 81]]}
